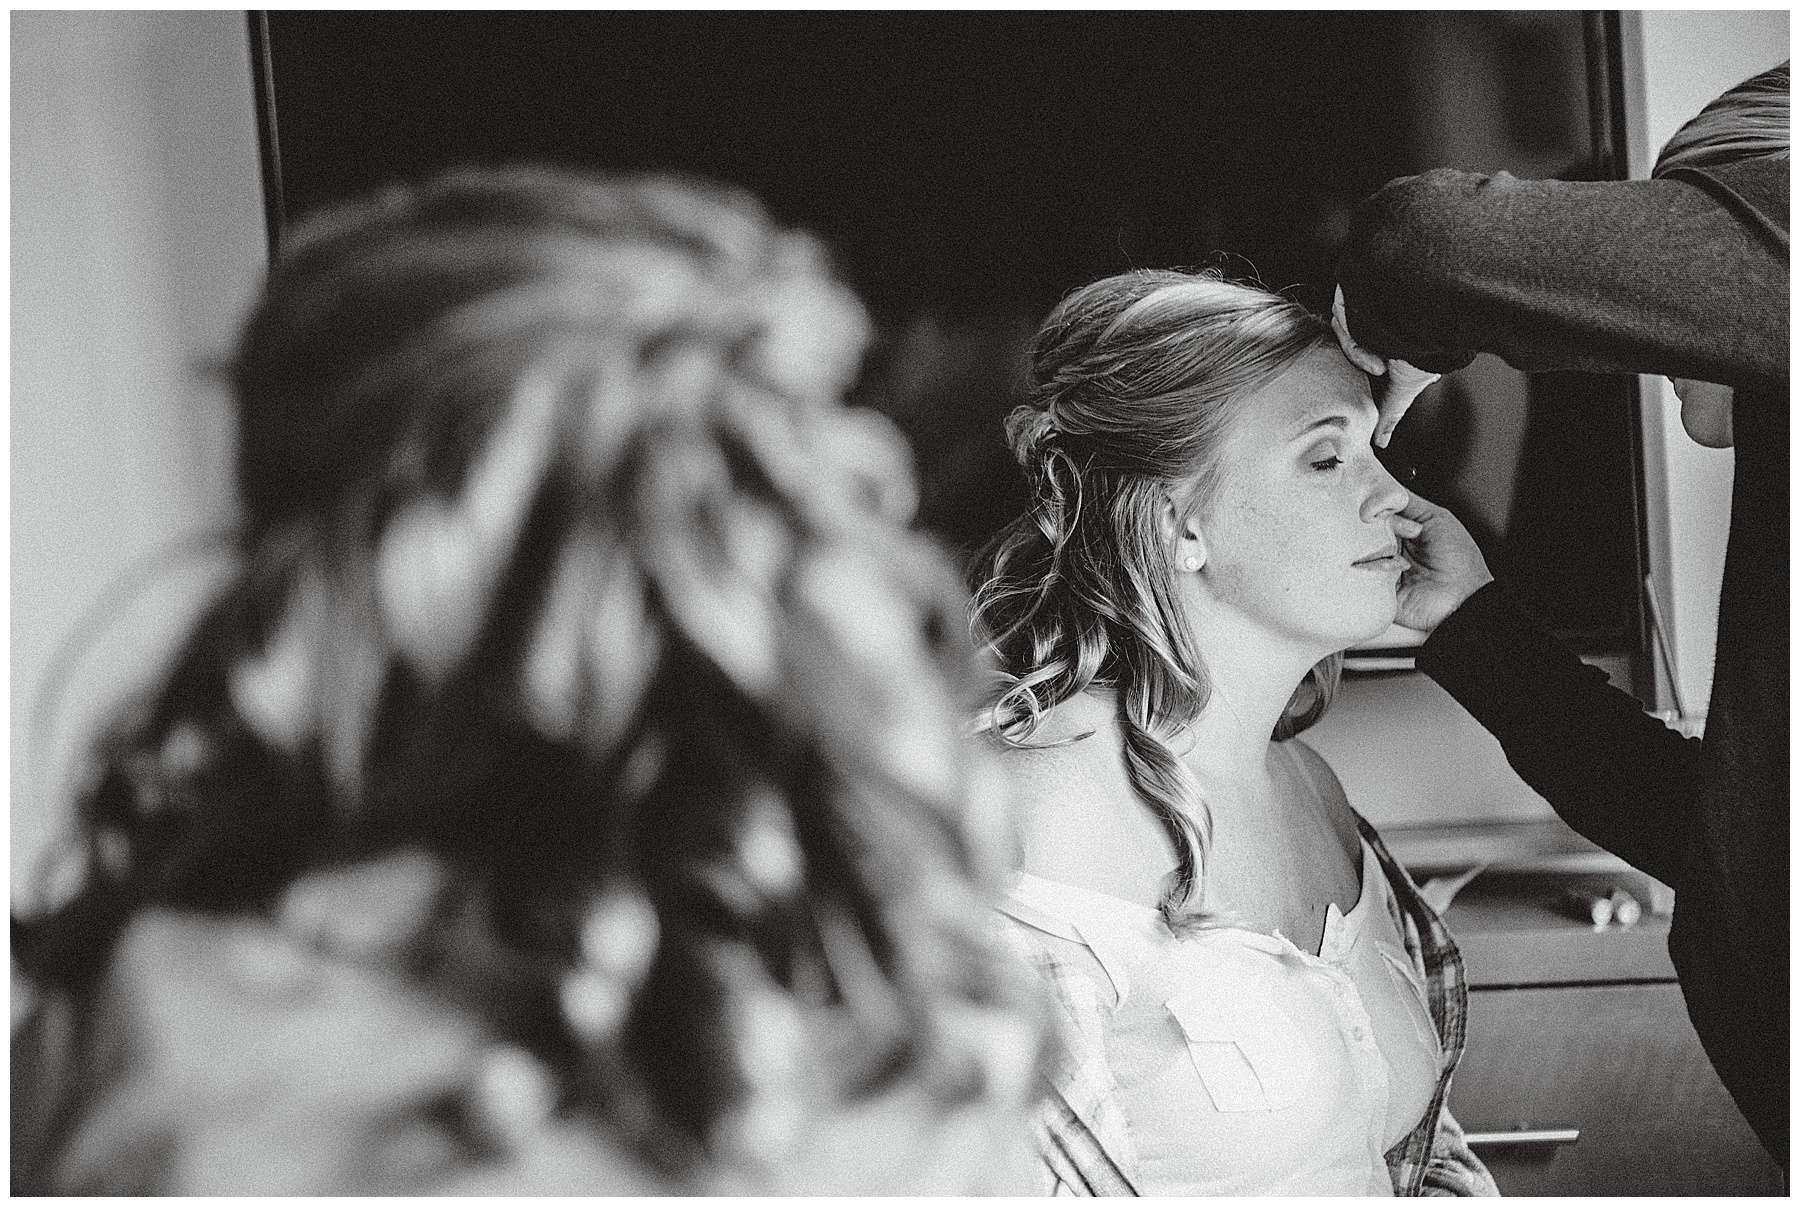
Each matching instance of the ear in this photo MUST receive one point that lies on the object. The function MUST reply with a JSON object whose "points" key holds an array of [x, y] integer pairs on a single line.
{"points": [[1181, 529], [1705, 411]]}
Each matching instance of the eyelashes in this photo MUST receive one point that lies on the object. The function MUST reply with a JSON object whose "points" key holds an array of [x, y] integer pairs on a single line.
{"points": [[1327, 464]]}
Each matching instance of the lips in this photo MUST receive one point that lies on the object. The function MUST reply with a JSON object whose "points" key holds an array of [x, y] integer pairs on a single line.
{"points": [[1387, 559]]}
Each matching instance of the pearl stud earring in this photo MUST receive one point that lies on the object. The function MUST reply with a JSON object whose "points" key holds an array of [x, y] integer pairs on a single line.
{"points": [[1192, 563]]}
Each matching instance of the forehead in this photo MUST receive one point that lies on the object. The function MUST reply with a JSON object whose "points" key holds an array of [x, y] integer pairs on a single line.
{"points": [[1320, 386]]}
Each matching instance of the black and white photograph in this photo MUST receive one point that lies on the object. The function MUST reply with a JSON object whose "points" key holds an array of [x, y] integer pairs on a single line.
{"points": [[899, 602]]}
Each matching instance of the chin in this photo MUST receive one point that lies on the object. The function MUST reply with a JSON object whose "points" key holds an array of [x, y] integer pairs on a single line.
{"points": [[1333, 621], [1342, 638], [1379, 620]]}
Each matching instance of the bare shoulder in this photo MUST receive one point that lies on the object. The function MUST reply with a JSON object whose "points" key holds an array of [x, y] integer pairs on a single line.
{"points": [[1079, 821], [1055, 784], [1329, 794]]}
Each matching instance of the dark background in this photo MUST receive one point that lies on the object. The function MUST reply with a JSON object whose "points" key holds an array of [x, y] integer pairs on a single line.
{"points": [[970, 168], [960, 160]]}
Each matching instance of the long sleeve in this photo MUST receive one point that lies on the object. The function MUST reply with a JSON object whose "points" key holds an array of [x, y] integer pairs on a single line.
{"points": [[1083, 1143], [1684, 276], [1617, 775]]}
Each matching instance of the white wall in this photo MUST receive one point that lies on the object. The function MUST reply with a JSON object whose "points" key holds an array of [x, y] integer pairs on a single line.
{"points": [[1688, 58], [137, 242]]}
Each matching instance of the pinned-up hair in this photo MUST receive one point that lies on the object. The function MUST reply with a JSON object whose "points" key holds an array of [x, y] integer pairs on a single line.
{"points": [[562, 561], [1135, 379]]}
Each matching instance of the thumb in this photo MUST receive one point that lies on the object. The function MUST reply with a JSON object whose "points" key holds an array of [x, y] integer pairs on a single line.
{"points": [[1354, 352], [1405, 382]]}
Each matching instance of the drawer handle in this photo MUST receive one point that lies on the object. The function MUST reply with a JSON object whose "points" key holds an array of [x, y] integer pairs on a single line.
{"points": [[1549, 1137]]}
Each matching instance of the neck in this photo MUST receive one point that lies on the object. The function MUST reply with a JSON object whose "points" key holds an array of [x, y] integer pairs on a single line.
{"points": [[1252, 677], [1090, 718]]}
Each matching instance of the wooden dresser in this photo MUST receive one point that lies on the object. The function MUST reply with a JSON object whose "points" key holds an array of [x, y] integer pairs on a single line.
{"points": [[1579, 1041]]}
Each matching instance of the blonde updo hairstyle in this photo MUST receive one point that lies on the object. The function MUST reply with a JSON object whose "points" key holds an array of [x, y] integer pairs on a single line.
{"points": [[1135, 381]]}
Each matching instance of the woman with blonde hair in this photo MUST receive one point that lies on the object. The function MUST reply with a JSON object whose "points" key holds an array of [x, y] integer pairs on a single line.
{"points": [[569, 789], [1255, 998]]}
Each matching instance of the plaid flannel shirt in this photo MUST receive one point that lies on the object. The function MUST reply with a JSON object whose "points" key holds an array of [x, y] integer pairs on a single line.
{"points": [[1080, 1130]]}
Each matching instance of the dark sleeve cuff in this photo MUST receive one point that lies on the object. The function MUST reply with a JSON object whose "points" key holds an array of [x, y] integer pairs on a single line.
{"points": [[1489, 623], [1614, 773], [1392, 272], [1505, 666]]}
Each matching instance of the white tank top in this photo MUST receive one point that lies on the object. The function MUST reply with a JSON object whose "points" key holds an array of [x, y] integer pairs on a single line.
{"points": [[1243, 1065]]}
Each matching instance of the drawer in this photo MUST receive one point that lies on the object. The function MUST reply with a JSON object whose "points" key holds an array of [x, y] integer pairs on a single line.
{"points": [[1621, 1064], [1512, 932]]}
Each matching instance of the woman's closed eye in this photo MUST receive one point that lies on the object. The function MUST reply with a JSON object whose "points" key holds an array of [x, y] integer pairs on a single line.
{"points": [[1329, 461]]}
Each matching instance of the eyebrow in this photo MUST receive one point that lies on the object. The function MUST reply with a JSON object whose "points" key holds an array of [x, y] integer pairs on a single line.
{"points": [[1337, 421]]}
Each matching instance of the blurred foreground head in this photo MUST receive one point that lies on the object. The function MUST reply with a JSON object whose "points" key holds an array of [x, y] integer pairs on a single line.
{"points": [[566, 578]]}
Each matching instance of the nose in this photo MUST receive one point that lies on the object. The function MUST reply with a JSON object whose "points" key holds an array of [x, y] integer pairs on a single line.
{"points": [[1386, 496]]}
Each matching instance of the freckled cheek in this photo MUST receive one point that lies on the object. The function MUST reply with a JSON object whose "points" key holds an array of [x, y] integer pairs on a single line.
{"points": [[1269, 546]]}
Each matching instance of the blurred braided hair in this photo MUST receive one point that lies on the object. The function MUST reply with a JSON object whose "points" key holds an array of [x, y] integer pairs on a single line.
{"points": [[1135, 380], [561, 560]]}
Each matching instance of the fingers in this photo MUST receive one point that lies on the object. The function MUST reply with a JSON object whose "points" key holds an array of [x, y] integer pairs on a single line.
{"points": [[1389, 420], [1355, 353], [1418, 511], [1405, 382]]}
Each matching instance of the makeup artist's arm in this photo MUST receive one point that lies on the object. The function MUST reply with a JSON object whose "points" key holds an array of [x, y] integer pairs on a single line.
{"points": [[1615, 774], [1684, 276]]}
